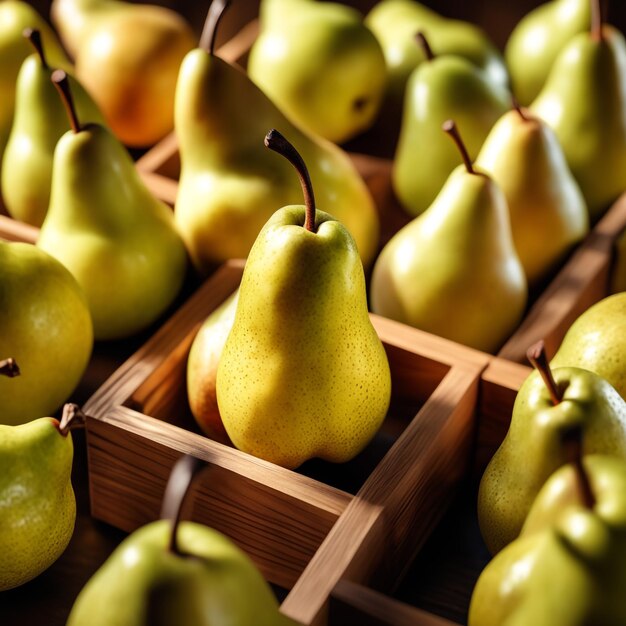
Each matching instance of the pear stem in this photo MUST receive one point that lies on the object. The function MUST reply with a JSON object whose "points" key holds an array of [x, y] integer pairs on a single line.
{"points": [[451, 128], [71, 419], [62, 83], [596, 20], [209, 31], [572, 440], [9, 368], [537, 356], [34, 36], [176, 490], [276, 142], [518, 108], [420, 37]]}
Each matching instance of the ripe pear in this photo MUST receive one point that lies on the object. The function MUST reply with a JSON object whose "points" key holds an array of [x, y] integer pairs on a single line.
{"points": [[37, 505], [568, 566], [15, 16], [229, 184], [537, 40], [320, 64], [303, 373], [204, 357], [450, 269], [445, 87], [46, 326], [547, 209], [596, 341], [127, 57], [39, 122], [118, 241], [584, 101], [395, 23], [548, 404]]}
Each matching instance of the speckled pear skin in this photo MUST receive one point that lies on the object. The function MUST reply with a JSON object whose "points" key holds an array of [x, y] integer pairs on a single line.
{"points": [[230, 184], [37, 505], [144, 584], [532, 449], [303, 373], [547, 209], [449, 270], [568, 567], [596, 341], [537, 40], [583, 100]]}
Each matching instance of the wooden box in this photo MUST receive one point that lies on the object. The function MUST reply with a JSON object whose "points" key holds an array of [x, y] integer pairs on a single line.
{"points": [[306, 530]]}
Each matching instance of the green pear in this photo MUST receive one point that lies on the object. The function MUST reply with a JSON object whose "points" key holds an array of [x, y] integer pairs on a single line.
{"points": [[320, 64], [537, 40], [303, 373], [584, 101], [39, 122], [568, 566], [618, 271], [395, 23], [229, 184], [548, 404], [204, 357], [46, 326], [127, 57], [445, 87], [15, 16], [37, 505], [450, 269], [596, 341], [547, 209], [180, 573], [118, 241]]}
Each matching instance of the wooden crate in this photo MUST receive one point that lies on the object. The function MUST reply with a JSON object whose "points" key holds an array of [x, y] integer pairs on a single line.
{"points": [[310, 529]]}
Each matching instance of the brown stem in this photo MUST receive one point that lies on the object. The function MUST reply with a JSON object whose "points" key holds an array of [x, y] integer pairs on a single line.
{"points": [[176, 490], [450, 127], [9, 368], [275, 141], [572, 440], [537, 356], [420, 37], [596, 20], [518, 108], [62, 83], [34, 36], [209, 31], [72, 419]]}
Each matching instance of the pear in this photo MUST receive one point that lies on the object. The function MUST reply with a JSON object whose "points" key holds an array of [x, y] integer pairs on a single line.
{"points": [[537, 40], [584, 101], [173, 572], [15, 16], [320, 64], [39, 122], [37, 505], [450, 269], [229, 185], [127, 57], [104, 225], [548, 404], [596, 341], [547, 209], [303, 373], [45, 324], [445, 87], [568, 566], [204, 357], [395, 23]]}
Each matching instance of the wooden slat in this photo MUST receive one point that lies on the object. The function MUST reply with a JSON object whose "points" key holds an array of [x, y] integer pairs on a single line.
{"points": [[352, 604], [582, 282], [13, 230], [277, 516], [393, 514]]}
